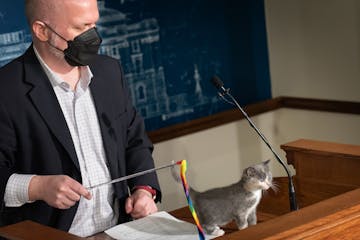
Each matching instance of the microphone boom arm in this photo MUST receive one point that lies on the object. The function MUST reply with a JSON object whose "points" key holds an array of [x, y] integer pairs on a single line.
{"points": [[226, 91], [292, 195]]}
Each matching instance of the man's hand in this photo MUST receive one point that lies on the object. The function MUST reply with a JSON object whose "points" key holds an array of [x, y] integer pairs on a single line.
{"points": [[140, 204], [58, 191]]}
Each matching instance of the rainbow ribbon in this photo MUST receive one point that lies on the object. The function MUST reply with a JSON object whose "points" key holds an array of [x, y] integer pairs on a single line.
{"points": [[183, 167]]}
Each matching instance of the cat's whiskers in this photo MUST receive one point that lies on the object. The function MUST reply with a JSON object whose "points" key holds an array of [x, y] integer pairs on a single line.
{"points": [[275, 186]]}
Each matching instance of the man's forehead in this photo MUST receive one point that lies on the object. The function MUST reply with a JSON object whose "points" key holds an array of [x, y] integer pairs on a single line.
{"points": [[78, 11]]}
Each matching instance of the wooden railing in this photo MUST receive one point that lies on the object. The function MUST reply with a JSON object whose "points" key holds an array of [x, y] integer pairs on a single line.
{"points": [[232, 115]]}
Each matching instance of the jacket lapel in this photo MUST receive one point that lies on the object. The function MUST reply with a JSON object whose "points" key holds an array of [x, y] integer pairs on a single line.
{"points": [[43, 97]]}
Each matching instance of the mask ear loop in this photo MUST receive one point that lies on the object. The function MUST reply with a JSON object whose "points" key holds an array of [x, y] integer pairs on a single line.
{"points": [[51, 29], [55, 32]]}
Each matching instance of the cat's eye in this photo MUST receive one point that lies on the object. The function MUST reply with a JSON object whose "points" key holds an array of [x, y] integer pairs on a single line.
{"points": [[262, 176]]}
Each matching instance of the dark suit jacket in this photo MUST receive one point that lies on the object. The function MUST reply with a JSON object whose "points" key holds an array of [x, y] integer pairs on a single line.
{"points": [[35, 139]]}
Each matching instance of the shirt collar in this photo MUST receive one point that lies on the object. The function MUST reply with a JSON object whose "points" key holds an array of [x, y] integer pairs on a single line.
{"points": [[55, 80]]}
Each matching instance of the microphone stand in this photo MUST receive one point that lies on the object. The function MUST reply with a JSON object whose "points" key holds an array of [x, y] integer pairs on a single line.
{"points": [[292, 195]]}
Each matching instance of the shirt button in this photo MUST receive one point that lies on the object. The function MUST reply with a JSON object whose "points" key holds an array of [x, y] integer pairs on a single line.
{"points": [[64, 85]]}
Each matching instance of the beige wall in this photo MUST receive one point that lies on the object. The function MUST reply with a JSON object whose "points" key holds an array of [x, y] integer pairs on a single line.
{"points": [[217, 156], [314, 48], [314, 53]]}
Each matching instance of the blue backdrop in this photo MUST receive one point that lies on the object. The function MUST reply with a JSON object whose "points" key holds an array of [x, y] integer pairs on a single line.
{"points": [[170, 50]]}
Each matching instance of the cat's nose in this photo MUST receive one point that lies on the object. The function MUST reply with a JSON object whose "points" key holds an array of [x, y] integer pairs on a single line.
{"points": [[267, 184]]}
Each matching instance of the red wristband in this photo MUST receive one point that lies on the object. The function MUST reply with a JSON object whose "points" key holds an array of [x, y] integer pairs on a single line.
{"points": [[147, 188]]}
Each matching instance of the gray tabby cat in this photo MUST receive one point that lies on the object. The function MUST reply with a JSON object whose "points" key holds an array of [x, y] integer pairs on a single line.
{"points": [[217, 207]]}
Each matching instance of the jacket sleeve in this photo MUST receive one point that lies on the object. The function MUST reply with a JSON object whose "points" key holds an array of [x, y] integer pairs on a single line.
{"points": [[7, 152]]}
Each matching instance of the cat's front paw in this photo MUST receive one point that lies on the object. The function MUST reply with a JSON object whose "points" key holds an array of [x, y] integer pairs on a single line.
{"points": [[218, 232]]}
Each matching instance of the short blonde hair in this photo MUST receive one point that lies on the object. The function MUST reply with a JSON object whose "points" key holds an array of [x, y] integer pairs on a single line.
{"points": [[39, 9]]}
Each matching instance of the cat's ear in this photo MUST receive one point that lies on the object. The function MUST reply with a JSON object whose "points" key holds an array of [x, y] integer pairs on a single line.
{"points": [[250, 171], [267, 162]]}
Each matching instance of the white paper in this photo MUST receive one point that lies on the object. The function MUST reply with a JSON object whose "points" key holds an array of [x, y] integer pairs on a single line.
{"points": [[159, 226]]}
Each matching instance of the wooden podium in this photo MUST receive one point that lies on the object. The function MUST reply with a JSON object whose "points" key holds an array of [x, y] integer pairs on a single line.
{"points": [[335, 218], [326, 173]]}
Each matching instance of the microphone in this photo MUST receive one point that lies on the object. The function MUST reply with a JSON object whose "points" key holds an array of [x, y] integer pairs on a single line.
{"points": [[223, 92]]}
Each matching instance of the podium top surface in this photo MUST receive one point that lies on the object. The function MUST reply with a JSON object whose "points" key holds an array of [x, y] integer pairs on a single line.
{"points": [[306, 145], [29, 230]]}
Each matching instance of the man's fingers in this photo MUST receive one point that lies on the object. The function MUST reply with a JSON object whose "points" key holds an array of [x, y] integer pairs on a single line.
{"points": [[139, 205], [129, 205], [73, 196], [80, 190], [66, 203], [85, 193]]}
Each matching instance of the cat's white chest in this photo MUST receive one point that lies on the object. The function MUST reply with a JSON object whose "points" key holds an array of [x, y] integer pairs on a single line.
{"points": [[257, 196]]}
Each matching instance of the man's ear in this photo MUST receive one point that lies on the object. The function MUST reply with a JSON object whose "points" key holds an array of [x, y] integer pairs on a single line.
{"points": [[40, 31]]}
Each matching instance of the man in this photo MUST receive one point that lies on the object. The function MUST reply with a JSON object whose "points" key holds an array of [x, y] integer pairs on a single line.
{"points": [[66, 124]]}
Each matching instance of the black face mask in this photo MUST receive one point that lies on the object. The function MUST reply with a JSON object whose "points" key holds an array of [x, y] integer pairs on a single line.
{"points": [[81, 50]]}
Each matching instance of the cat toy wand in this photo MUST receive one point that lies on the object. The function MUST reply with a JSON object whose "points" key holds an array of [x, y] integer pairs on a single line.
{"points": [[120, 179]]}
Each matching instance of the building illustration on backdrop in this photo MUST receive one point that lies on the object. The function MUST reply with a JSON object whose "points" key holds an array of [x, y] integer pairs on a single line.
{"points": [[12, 45], [137, 45]]}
